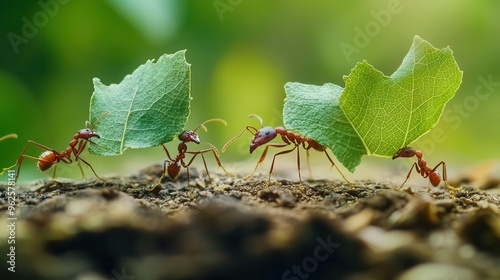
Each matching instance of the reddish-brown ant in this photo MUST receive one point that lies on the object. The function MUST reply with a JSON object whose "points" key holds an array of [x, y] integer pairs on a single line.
{"points": [[266, 134], [172, 166], [51, 157], [423, 169]]}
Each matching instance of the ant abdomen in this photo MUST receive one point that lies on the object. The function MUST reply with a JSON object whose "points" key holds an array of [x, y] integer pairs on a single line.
{"points": [[46, 160], [435, 178]]}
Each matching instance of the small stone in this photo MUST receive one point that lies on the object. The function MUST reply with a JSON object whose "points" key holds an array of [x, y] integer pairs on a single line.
{"points": [[172, 204]]}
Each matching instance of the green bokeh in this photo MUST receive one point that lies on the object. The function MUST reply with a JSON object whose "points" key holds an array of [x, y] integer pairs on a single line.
{"points": [[241, 58]]}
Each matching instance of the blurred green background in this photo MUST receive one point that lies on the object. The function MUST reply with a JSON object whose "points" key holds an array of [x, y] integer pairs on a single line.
{"points": [[242, 53]]}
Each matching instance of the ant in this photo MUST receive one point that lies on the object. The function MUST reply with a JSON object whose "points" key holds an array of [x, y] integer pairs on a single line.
{"points": [[172, 166], [76, 146], [266, 134], [423, 169]]}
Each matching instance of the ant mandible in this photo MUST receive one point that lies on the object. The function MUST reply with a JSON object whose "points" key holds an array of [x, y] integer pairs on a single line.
{"points": [[51, 157], [266, 134], [423, 169], [172, 166]]}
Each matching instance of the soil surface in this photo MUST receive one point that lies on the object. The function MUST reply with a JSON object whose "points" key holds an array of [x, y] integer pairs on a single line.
{"points": [[232, 228]]}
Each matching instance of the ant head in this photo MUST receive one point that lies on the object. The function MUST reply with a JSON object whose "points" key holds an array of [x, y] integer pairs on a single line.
{"points": [[189, 136], [192, 136], [405, 152], [262, 136], [87, 133]]}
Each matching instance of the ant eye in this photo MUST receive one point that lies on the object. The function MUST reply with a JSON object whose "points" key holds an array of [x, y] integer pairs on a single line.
{"points": [[267, 132]]}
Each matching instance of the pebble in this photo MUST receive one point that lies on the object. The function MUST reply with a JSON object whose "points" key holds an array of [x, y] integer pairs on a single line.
{"points": [[172, 204], [206, 194]]}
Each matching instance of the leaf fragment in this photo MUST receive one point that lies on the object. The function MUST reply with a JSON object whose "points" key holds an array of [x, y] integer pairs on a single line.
{"points": [[147, 108], [376, 114]]}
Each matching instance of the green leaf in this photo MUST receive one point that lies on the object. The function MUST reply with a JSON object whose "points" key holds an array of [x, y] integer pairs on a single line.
{"points": [[315, 112], [148, 108], [376, 114]]}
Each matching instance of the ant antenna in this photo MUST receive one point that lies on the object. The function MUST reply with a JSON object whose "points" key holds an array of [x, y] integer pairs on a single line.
{"points": [[257, 117], [202, 125], [12, 135], [248, 127], [87, 123]]}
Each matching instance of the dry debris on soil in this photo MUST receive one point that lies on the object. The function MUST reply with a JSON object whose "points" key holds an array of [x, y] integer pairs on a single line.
{"points": [[238, 229]]}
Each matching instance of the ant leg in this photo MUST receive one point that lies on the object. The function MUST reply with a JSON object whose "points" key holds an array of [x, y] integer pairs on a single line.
{"points": [[183, 164], [168, 154], [165, 165], [67, 161], [263, 156], [12, 135], [55, 168], [189, 176], [308, 164], [409, 173], [26, 156], [274, 158], [164, 172], [20, 160], [7, 168], [445, 177], [77, 151], [206, 169], [156, 188], [195, 154], [298, 166], [81, 169], [22, 156], [216, 156], [190, 192], [336, 167], [91, 168]]}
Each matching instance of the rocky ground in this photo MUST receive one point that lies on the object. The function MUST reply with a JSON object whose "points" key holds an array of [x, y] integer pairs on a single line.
{"points": [[239, 229]]}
